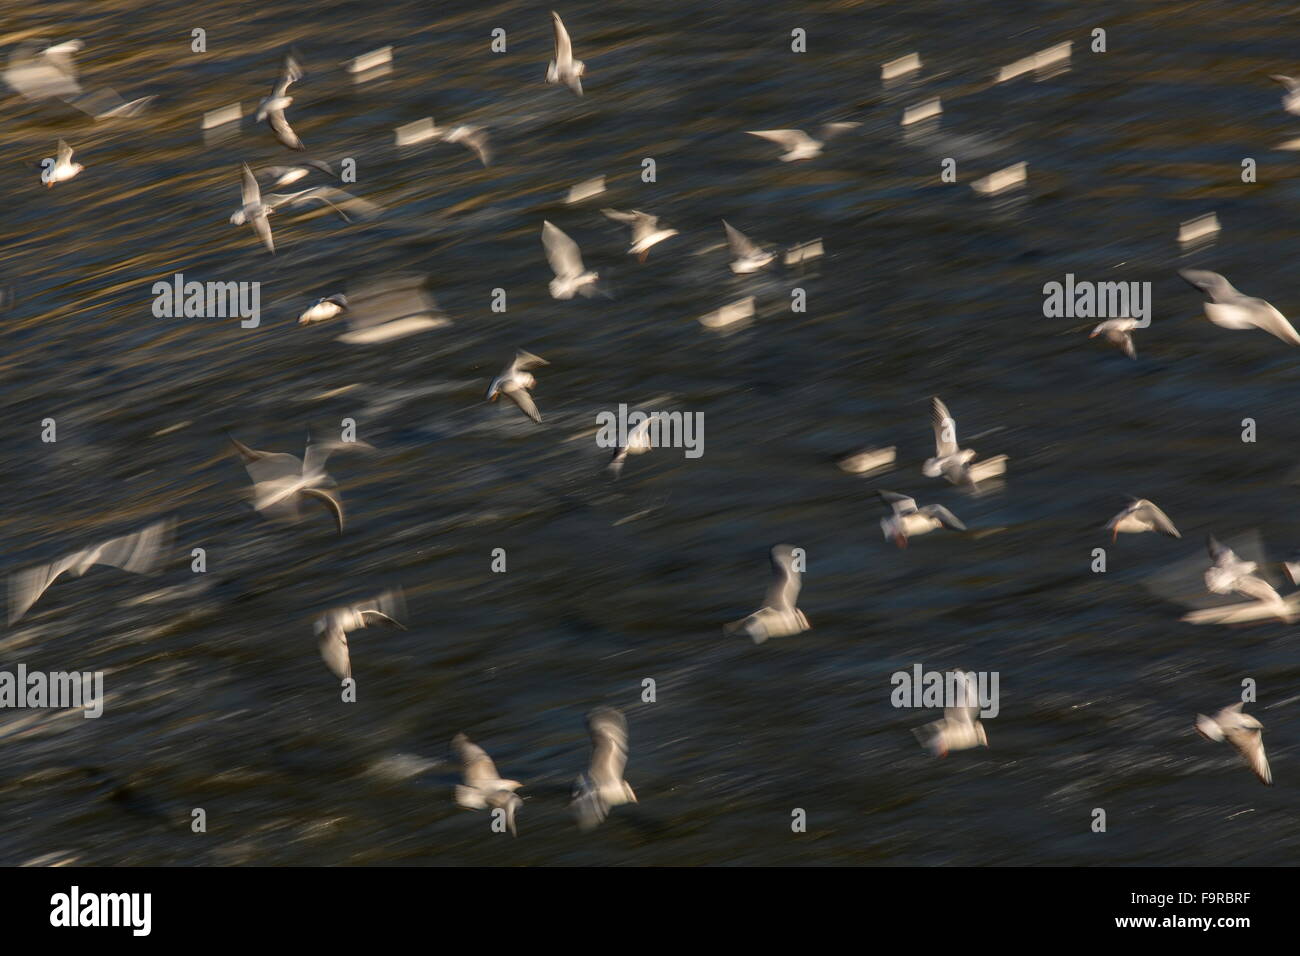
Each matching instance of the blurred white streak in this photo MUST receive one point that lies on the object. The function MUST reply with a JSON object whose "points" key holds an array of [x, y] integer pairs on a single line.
{"points": [[922, 111], [730, 315], [1199, 229], [900, 67], [804, 252], [421, 131], [868, 461], [586, 189], [372, 65], [390, 308], [1001, 181]]}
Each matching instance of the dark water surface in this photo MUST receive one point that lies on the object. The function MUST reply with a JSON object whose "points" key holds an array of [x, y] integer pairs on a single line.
{"points": [[216, 696]]}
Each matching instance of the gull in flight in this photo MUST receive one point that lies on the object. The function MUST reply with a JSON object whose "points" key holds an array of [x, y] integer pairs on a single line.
{"points": [[564, 68], [749, 257], [256, 209], [645, 230], [287, 175], [1241, 730], [1291, 101], [950, 459], [514, 382], [333, 626], [779, 616], [63, 169], [960, 728], [1232, 310], [602, 786], [272, 107], [1229, 574], [908, 520], [139, 553], [1141, 515], [280, 481], [329, 307], [1118, 332], [483, 786], [638, 443], [566, 262], [38, 72], [473, 138], [798, 144]]}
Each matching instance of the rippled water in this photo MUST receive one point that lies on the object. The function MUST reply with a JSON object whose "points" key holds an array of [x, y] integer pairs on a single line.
{"points": [[217, 698]]}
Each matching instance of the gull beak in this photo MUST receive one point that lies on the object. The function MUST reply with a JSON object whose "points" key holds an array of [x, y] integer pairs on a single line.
{"points": [[900, 540]]}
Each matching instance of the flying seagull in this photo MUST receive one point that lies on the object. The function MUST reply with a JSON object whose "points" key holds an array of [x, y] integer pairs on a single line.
{"points": [[1118, 332], [287, 175], [908, 520], [645, 230], [281, 481], [950, 459], [324, 309], [779, 616], [64, 168], [602, 786], [272, 108], [1141, 515], [473, 138], [639, 441], [38, 72], [483, 786], [139, 553], [332, 627], [564, 68], [1290, 101], [749, 257], [566, 262], [1241, 730], [798, 144], [514, 382], [1233, 310], [1229, 574], [256, 209], [960, 728]]}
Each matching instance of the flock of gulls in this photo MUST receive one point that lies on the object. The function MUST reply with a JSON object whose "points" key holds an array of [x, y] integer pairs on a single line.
{"points": [[282, 484]]}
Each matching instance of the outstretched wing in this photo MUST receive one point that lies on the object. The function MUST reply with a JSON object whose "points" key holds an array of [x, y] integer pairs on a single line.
{"points": [[945, 429]]}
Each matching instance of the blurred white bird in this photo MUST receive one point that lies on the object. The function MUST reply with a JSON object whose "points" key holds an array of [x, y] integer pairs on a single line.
{"points": [[960, 728], [324, 309], [779, 616], [749, 257], [37, 72], [281, 480], [141, 552], [566, 262], [645, 230], [798, 144], [1291, 99], [514, 382], [564, 68], [602, 786], [1233, 310], [484, 786], [1118, 332], [908, 520], [1141, 515], [63, 168], [332, 627], [1241, 730], [272, 107], [950, 460]]}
